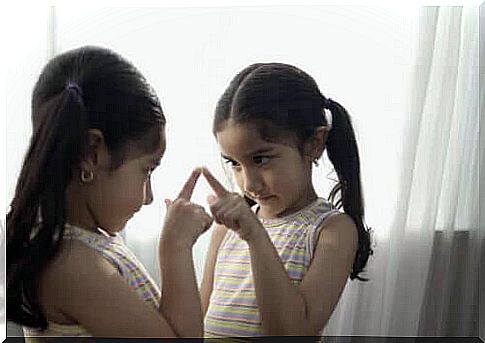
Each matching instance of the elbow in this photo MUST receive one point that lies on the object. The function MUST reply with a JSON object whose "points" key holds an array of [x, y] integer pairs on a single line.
{"points": [[193, 333], [309, 321], [302, 328], [293, 323], [188, 330], [296, 329], [198, 331]]}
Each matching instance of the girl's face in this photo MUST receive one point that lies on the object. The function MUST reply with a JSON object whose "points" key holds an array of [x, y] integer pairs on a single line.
{"points": [[276, 176], [116, 195]]}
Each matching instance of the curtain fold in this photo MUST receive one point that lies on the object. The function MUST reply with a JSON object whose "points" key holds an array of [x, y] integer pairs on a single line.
{"points": [[429, 259], [425, 275]]}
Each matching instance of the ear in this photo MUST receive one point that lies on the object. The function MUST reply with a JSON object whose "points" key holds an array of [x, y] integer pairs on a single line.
{"points": [[94, 154], [316, 144]]}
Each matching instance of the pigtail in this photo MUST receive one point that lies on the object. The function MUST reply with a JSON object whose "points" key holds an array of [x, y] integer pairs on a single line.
{"points": [[36, 218], [281, 99], [342, 151]]}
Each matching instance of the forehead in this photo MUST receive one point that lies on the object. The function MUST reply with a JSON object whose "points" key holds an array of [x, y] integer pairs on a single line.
{"points": [[160, 151], [137, 152], [240, 139]]}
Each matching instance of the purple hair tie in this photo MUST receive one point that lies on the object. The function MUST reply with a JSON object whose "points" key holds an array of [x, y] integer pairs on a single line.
{"points": [[75, 87], [327, 113], [328, 118]]}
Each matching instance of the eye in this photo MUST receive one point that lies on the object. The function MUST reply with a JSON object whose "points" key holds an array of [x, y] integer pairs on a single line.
{"points": [[230, 162], [261, 160]]}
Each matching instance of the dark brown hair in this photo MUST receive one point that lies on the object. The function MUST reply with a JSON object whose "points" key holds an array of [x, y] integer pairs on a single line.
{"points": [[281, 99], [89, 87]]}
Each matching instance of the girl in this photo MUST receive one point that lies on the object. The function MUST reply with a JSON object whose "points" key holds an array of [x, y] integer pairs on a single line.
{"points": [[98, 134], [281, 269]]}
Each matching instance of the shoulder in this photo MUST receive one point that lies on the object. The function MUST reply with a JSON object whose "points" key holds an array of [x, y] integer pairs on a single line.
{"points": [[338, 229], [75, 255], [339, 219], [75, 264], [81, 287], [330, 268]]}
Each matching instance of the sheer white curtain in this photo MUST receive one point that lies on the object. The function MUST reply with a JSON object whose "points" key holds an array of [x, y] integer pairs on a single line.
{"points": [[409, 91], [424, 275]]}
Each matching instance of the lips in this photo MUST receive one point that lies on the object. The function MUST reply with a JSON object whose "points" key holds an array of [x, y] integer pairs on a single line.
{"points": [[258, 197], [262, 198]]}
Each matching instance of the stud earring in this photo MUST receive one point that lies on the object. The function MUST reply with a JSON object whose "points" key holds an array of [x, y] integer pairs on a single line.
{"points": [[87, 176], [315, 162]]}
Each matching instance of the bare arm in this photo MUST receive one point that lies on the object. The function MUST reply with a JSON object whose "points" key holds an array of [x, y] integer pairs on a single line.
{"points": [[314, 300], [210, 262], [183, 224], [81, 285], [180, 301]]}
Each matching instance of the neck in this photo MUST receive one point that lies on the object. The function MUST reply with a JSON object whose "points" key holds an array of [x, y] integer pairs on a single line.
{"points": [[77, 209]]}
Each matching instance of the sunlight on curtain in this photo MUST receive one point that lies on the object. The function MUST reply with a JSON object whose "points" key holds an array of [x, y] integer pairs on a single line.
{"points": [[424, 278]]}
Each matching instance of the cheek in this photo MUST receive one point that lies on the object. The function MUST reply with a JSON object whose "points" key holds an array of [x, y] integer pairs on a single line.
{"points": [[237, 176], [127, 194], [277, 181], [136, 191], [106, 204], [285, 177], [115, 198]]}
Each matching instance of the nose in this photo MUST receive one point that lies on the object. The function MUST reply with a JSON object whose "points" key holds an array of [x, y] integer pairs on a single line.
{"points": [[148, 194], [252, 181]]}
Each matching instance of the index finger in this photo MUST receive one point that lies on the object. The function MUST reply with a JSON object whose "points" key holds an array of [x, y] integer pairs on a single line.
{"points": [[189, 185], [214, 183]]}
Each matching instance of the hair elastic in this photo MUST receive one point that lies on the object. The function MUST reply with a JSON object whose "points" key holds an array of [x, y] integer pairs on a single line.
{"points": [[328, 118], [75, 87]]}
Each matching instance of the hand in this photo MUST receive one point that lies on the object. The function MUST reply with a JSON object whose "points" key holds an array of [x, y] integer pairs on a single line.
{"points": [[185, 221], [232, 210]]}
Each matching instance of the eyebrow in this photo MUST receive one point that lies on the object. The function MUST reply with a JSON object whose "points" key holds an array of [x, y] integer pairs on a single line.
{"points": [[255, 152]]}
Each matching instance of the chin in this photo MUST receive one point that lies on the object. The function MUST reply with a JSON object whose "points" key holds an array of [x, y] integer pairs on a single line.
{"points": [[122, 225], [117, 227]]}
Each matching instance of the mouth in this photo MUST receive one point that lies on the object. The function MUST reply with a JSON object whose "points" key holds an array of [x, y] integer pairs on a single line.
{"points": [[263, 198]]}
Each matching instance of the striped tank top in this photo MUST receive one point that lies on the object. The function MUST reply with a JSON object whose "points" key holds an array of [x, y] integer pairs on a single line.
{"points": [[233, 310], [113, 249]]}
